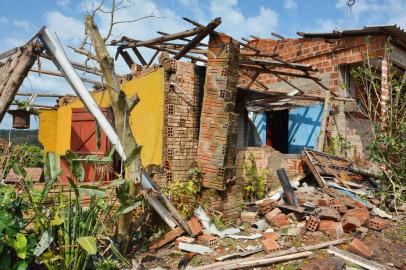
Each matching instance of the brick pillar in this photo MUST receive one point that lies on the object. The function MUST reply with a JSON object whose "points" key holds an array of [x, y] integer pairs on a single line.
{"points": [[217, 138], [384, 90]]}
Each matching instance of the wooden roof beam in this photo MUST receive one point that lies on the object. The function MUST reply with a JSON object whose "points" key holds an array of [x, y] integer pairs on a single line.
{"points": [[139, 56], [264, 70], [79, 66], [134, 43], [199, 37], [184, 39], [58, 74]]}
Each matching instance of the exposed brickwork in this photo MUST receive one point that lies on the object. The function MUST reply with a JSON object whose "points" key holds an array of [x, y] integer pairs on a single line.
{"points": [[217, 139], [328, 56], [183, 96], [269, 159]]}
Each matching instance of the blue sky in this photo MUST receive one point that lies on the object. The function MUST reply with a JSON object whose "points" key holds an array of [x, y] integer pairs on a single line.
{"points": [[21, 19]]}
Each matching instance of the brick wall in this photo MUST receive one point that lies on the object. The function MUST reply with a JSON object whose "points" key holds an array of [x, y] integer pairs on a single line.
{"points": [[217, 139], [183, 96], [269, 159], [327, 56]]}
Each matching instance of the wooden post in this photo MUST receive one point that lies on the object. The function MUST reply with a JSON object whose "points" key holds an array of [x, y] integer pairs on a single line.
{"points": [[326, 111], [14, 71]]}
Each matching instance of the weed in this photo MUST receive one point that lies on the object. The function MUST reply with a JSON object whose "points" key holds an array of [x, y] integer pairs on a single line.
{"points": [[255, 181]]}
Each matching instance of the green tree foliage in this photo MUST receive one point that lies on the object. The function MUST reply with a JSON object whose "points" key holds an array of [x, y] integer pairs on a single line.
{"points": [[56, 230], [388, 117]]}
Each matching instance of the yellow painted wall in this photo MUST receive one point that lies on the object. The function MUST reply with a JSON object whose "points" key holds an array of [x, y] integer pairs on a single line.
{"points": [[146, 119]]}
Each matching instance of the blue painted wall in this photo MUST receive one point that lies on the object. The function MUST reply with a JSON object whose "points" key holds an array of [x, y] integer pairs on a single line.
{"points": [[304, 128], [259, 120]]}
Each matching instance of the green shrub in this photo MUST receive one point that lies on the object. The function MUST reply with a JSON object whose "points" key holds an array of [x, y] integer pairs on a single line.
{"points": [[255, 181]]}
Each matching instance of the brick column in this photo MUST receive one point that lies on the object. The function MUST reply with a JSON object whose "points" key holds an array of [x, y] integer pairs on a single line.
{"points": [[217, 138]]}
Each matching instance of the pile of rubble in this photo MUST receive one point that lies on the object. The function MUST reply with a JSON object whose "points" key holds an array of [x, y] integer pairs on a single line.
{"points": [[293, 222]]}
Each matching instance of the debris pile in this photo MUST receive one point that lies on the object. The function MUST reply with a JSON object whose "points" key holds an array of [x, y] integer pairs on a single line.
{"points": [[292, 226]]}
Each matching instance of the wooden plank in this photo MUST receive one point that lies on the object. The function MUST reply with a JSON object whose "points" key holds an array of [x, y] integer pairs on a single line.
{"points": [[312, 167], [139, 56], [199, 37], [127, 58]]}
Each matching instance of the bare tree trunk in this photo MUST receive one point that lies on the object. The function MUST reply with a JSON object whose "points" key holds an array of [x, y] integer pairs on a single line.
{"points": [[13, 73], [121, 109]]}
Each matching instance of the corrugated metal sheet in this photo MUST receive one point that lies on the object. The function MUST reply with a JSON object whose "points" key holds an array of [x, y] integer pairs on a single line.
{"points": [[392, 30]]}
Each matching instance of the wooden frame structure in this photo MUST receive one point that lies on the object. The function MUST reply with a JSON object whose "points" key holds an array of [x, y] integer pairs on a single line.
{"points": [[252, 63]]}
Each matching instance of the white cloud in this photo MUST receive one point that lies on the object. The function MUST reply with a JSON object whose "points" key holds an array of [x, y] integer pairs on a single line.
{"points": [[290, 4], [237, 25], [23, 24], [3, 20], [364, 13], [68, 29], [63, 3]]}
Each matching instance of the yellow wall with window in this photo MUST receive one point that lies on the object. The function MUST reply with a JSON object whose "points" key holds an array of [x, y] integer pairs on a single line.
{"points": [[146, 119]]}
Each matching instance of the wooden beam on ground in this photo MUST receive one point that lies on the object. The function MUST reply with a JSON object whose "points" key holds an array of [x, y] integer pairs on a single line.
{"points": [[58, 74], [139, 56], [199, 37]]}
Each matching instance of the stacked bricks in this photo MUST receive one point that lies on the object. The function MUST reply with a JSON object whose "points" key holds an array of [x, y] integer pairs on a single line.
{"points": [[217, 138], [183, 96]]}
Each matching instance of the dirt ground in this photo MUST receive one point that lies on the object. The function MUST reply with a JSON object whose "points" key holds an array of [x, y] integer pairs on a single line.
{"points": [[389, 249]]}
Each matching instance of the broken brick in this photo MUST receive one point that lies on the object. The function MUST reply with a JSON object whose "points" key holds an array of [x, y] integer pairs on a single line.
{"points": [[360, 248], [378, 224], [322, 202], [195, 226], [269, 245], [184, 239], [280, 220], [272, 214], [166, 238], [270, 235], [335, 231], [361, 214], [207, 240], [350, 224], [267, 205], [312, 224], [324, 225], [249, 216], [327, 213]]}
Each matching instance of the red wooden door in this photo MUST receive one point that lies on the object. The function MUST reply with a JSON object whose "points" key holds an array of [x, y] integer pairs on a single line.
{"points": [[83, 134], [84, 142]]}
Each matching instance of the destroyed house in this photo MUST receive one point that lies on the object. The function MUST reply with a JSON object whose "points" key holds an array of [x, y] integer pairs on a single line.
{"points": [[265, 97]]}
